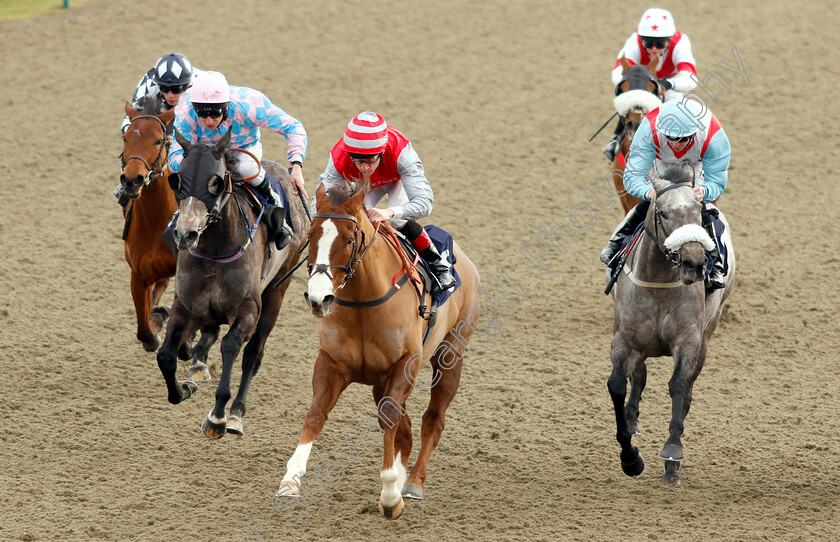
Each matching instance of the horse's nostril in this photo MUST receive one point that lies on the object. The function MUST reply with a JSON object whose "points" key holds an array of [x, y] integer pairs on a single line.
{"points": [[192, 237], [328, 300]]}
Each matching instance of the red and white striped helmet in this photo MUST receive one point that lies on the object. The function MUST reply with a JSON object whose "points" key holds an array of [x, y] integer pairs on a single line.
{"points": [[367, 133], [657, 23]]}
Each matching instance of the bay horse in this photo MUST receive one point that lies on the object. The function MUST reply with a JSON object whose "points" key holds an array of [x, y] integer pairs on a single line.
{"points": [[228, 273], [637, 94], [150, 208], [662, 309], [373, 334]]}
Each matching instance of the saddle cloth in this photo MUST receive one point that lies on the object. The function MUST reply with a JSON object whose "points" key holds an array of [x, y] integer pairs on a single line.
{"points": [[443, 242]]}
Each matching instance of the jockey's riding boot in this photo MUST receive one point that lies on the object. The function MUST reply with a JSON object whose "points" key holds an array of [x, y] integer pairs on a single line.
{"points": [[716, 278], [266, 190], [119, 193], [628, 225], [611, 150], [441, 268], [274, 217]]}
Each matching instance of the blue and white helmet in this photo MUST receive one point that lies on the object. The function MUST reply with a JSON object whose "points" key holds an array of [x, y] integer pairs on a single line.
{"points": [[172, 69], [679, 118]]}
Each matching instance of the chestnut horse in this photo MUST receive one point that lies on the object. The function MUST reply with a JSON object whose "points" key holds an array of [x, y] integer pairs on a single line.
{"points": [[373, 334], [637, 94], [228, 273], [150, 208]]}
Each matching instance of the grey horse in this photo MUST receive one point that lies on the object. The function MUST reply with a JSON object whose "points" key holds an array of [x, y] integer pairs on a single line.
{"points": [[228, 273], [662, 308]]}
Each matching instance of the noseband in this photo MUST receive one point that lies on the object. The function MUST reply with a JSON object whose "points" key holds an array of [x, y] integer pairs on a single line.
{"points": [[672, 255], [153, 173], [350, 267]]}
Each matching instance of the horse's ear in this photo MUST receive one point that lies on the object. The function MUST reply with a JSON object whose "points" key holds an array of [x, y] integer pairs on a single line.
{"points": [[182, 141], [658, 183], [174, 181], [320, 196], [358, 198], [654, 61], [625, 64], [221, 145], [168, 116], [130, 111]]}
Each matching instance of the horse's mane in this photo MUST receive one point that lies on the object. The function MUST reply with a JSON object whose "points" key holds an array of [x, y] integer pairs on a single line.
{"points": [[340, 193], [677, 173], [148, 105]]}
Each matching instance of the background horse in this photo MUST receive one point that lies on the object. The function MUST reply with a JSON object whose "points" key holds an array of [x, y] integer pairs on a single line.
{"points": [[373, 334], [661, 308], [637, 94], [227, 274], [145, 150]]}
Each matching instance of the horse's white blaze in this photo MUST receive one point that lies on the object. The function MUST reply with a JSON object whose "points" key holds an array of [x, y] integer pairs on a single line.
{"points": [[686, 234], [296, 467], [190, 215], [320, 285], [393, 480]]}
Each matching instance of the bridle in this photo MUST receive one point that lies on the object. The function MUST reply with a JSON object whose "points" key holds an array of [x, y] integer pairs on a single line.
{"points": [[154, 172], [672, 255], [358, 240]]}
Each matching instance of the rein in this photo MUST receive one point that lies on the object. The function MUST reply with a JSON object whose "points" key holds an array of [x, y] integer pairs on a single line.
{"points": [[154, 171]]}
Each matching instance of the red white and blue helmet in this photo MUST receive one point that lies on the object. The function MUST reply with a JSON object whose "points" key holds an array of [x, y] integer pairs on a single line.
{"points": [[366, 133], [657, 23], [211, 88], [172, 69]]}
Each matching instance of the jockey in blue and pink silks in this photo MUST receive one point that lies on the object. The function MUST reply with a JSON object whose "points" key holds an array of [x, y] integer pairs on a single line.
{"points": [[212, 108], [678, 131]]}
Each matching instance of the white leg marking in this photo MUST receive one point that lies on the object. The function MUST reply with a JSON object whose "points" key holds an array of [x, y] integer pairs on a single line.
{"points": [[216, 420], [392, 481], [296, 467], [320, 285]]}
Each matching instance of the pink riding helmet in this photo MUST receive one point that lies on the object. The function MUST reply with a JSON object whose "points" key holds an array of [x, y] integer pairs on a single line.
{"points": [[211, 88]]}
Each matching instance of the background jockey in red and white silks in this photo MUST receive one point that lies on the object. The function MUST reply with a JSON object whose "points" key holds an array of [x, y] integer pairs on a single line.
{"points": [[657, 34], [371, 151], [678, 131]]}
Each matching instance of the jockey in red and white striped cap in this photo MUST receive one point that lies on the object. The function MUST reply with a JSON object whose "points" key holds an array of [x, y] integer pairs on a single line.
{"points": [[377, 154]]}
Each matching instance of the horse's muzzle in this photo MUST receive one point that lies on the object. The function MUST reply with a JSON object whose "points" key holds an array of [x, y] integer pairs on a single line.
{"points": [[187, 241], [692, 271], [132, 186], [320, 308]]}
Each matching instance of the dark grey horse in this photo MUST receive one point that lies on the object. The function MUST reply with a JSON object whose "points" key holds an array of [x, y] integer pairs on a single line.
{"points": [[226, 274], [662, 309]]}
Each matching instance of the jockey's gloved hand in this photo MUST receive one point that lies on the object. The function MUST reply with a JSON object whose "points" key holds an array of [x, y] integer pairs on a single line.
{"points": [[667, 84]]}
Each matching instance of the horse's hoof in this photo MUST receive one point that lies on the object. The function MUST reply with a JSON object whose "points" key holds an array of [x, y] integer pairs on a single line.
{"points": [[671, 479], [412, 491], [288, 489], [392, 512], [234, 425], [634, 466], [212, 430], [154, 345], [671, 452], [199, 374]]}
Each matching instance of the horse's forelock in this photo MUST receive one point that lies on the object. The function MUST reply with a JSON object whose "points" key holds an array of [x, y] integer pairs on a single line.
{"points": [[148, 105], [340, 193]]}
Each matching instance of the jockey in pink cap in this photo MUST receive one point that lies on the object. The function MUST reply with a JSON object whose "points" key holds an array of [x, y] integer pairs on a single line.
{"points": [[378, 154], [657, 35]]}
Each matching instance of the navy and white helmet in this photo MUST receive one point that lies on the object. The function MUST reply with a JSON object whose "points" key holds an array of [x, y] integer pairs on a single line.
{"points": [[172, 69]]}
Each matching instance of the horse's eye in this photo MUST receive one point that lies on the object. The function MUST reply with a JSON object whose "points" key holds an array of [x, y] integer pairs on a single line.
{"points": [[159, 142], [349, 242], [663, 215]]}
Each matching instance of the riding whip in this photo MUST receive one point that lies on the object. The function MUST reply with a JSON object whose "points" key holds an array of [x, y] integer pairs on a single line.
{"points": [[603, 126]]}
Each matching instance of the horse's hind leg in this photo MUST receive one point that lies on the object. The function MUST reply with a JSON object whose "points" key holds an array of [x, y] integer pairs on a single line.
{"points": [[623, 361], [329, 379], [214, 425], [637, 386], [199, 370]]}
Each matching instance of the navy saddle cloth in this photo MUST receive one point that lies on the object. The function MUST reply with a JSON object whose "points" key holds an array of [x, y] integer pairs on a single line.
{"points": [[443, 242]]}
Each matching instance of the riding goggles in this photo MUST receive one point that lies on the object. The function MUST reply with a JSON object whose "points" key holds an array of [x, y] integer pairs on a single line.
{"points": [[174, 89], [212, 112], [649, 43], [683, 139], [368, 160]]}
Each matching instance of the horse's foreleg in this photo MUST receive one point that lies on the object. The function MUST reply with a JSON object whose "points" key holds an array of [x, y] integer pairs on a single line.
{"points": [[637, 386], [199, 370], [624, 360], [158, 289], [403, 441], [329, 379], [241, 330], [147, 330], [689, 361], [166, 356], [391, 411]]}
